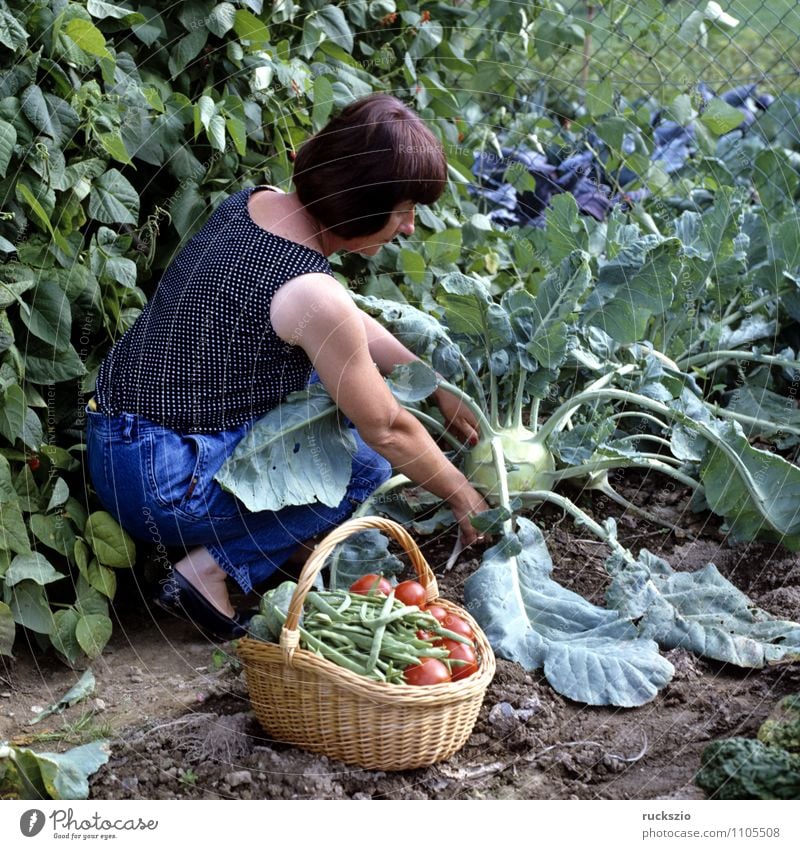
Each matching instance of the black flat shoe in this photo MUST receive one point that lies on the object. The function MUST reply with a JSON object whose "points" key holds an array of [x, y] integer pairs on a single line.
{"points": [[178, 597]]}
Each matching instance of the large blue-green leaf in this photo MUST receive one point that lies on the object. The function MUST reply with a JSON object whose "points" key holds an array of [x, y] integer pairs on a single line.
{"points": [[470, 310], [298, 453], [542, 323], [7, 629], [412, 382], [754, 490], [422, 333], [699, 611], [60, 775], [588, 653], [637, 284]]}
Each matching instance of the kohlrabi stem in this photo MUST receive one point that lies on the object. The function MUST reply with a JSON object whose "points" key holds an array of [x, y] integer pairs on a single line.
{"points": [[394, 482], [719, 357], [481, 395], [487, 431], [632, 415], [606, 489], [633, 437], [655, 465], [499, 462], [750, 420], [705, 431], [580, 517], [561, 415], [437, 426], [533, 417], [516, 421]]}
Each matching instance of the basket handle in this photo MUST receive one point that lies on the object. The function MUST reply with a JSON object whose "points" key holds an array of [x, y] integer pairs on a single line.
{"points": [[290, 636]]}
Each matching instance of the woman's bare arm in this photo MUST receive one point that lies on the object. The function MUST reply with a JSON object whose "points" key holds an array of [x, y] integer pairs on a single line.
{"points": [[313, 311]]}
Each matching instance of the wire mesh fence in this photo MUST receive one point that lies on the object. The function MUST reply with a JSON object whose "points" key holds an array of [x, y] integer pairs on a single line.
{"points": [[655, 50]]}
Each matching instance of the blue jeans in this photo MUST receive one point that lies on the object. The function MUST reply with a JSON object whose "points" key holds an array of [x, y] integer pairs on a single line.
{"points": [[159, 485]]}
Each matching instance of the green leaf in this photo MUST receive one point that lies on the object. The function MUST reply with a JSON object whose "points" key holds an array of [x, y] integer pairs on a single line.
{"points": [[699, 611], [429, 36], [773, 500], [298, 453], [776, 181], [30, 608], [100, 9], [638, 283], [12, 33], [8, 138], [588, 653], [59, 494], [237, 130], [412, 382], [250, 28], [186, 50], [331, 21], [443, 247], [31, 567], [101, 578], [65, 775], [566, 230], [92, 633], [46, 366], [470, 310], [49, 114], [48, 317], [8, 629], [323, 102], [110, 543], [54, 531], [13, 533], [7, 491], [113, 144], [739, 768], [63, 634], [600, 98], [80, 690], [88, 37], [541, 323], [221, 19], [113, 200], [413, 264], [720, 117]]}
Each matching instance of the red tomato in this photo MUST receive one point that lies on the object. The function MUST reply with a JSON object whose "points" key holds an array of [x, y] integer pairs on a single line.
{"points": [[371, 583], [437, 612], [458, 626], [430, 671], [410, 592], [461, 651]]}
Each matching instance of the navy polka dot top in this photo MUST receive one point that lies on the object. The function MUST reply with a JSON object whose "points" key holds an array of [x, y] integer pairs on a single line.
{"points": [[203, 356]]}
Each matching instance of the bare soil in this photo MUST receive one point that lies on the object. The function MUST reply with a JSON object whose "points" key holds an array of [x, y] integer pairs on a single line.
{"points": [[175, 708]]}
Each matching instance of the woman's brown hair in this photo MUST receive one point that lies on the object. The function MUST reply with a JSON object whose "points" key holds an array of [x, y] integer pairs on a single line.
{"points": [[375, 154]]}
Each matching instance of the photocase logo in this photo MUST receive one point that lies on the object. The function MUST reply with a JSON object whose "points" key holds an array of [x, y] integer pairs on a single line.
{"points": [[31, 822]]}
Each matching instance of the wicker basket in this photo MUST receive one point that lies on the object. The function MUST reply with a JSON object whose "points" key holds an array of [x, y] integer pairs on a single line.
{"points": [[302, 698]]}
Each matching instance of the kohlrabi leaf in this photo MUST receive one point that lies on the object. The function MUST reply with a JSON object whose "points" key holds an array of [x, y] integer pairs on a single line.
{"points": [[364, 553], [298, 453], [470, 311], [699, 611], [542, 323], [588, 653], [412, 382], [638, 283], [53, 775], [776, 413], [422, 333], [756, 491]]}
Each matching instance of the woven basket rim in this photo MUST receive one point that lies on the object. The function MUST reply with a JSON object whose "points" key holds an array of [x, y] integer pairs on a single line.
{"points": [[260, 653]]}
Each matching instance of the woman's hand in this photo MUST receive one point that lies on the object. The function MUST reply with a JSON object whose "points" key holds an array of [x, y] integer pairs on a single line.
{"points": [[469, 502], [458, 418]]}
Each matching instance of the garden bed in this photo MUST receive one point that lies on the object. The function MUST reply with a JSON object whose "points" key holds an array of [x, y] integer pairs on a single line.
{"points": [[175, 708]]}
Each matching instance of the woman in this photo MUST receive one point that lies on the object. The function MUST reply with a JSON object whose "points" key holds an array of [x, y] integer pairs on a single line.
{"points": [[241, 317]]}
